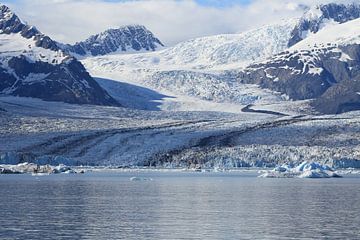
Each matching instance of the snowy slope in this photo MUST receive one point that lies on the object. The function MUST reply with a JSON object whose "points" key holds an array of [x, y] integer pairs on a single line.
{"points": [[332, 39], [332, 35], [190, 69], [186, 90], [320, 16], [13, 45], [308, 52], [231, 49], [213, 52]]}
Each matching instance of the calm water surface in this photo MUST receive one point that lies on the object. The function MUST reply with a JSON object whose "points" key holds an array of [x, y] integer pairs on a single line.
{"points": [[178, 206]]}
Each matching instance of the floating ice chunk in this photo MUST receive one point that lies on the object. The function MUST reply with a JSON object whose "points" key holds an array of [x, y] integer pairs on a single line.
{"points": [[312, 166], [62, 169], [277, 174], [303, 170], [334, 174], [314, 174], [140, 179], [40, 174]]}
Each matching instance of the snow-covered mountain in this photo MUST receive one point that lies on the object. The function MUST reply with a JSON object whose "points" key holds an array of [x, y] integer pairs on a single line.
{"points": [[194, 68], [228, 51], [321, 15], [212, 52], [132, 38], [324, 67], [187, 69], [32, 65]]}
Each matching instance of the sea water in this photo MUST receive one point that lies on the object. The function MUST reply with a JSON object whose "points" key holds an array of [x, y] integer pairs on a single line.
{"points": [[177, 205]]}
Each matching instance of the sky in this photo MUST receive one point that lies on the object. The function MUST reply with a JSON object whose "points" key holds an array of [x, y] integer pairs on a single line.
{"points": [[172, 21]]}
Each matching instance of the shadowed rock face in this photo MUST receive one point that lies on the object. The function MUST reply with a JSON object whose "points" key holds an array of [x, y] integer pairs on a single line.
{"points": [[327, 78], [337, 12], [340, 98], [133, 38], [67, 81]]}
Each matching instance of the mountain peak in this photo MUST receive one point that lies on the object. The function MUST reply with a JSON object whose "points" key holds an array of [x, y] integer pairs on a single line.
{"points": [[340, 12], [9, 22], [112, 32], [319, 16], [122, 39], [32, 65], [4, 10]]}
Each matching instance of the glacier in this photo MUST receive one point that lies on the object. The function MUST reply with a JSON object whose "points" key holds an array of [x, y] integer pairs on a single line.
{"points": [[184, 107], [113, 136]]}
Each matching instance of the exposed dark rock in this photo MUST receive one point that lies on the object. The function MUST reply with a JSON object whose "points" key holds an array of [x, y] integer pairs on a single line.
{"points": [[68, 82]]}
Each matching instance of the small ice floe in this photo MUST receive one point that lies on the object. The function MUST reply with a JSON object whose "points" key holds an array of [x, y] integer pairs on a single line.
{"points": [[304, 170], [318, 174], [275, 174], [63, 169], [40, 174], [140, 179]]}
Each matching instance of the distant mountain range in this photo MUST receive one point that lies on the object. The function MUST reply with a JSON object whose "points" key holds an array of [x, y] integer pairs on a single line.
{"points": [[315, 57], [321, 63], [232, 50]]}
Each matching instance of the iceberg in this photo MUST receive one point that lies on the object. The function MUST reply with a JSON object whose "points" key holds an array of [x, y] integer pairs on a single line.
{"points": [[304, 170], [62, 169]]}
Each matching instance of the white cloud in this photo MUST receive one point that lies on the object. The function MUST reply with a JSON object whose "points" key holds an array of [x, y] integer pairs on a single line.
{"points": [[171, 20]]}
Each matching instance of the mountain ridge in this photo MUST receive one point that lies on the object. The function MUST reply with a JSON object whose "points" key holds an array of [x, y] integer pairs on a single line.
{"points": [[32, 65], [327, 72]]}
